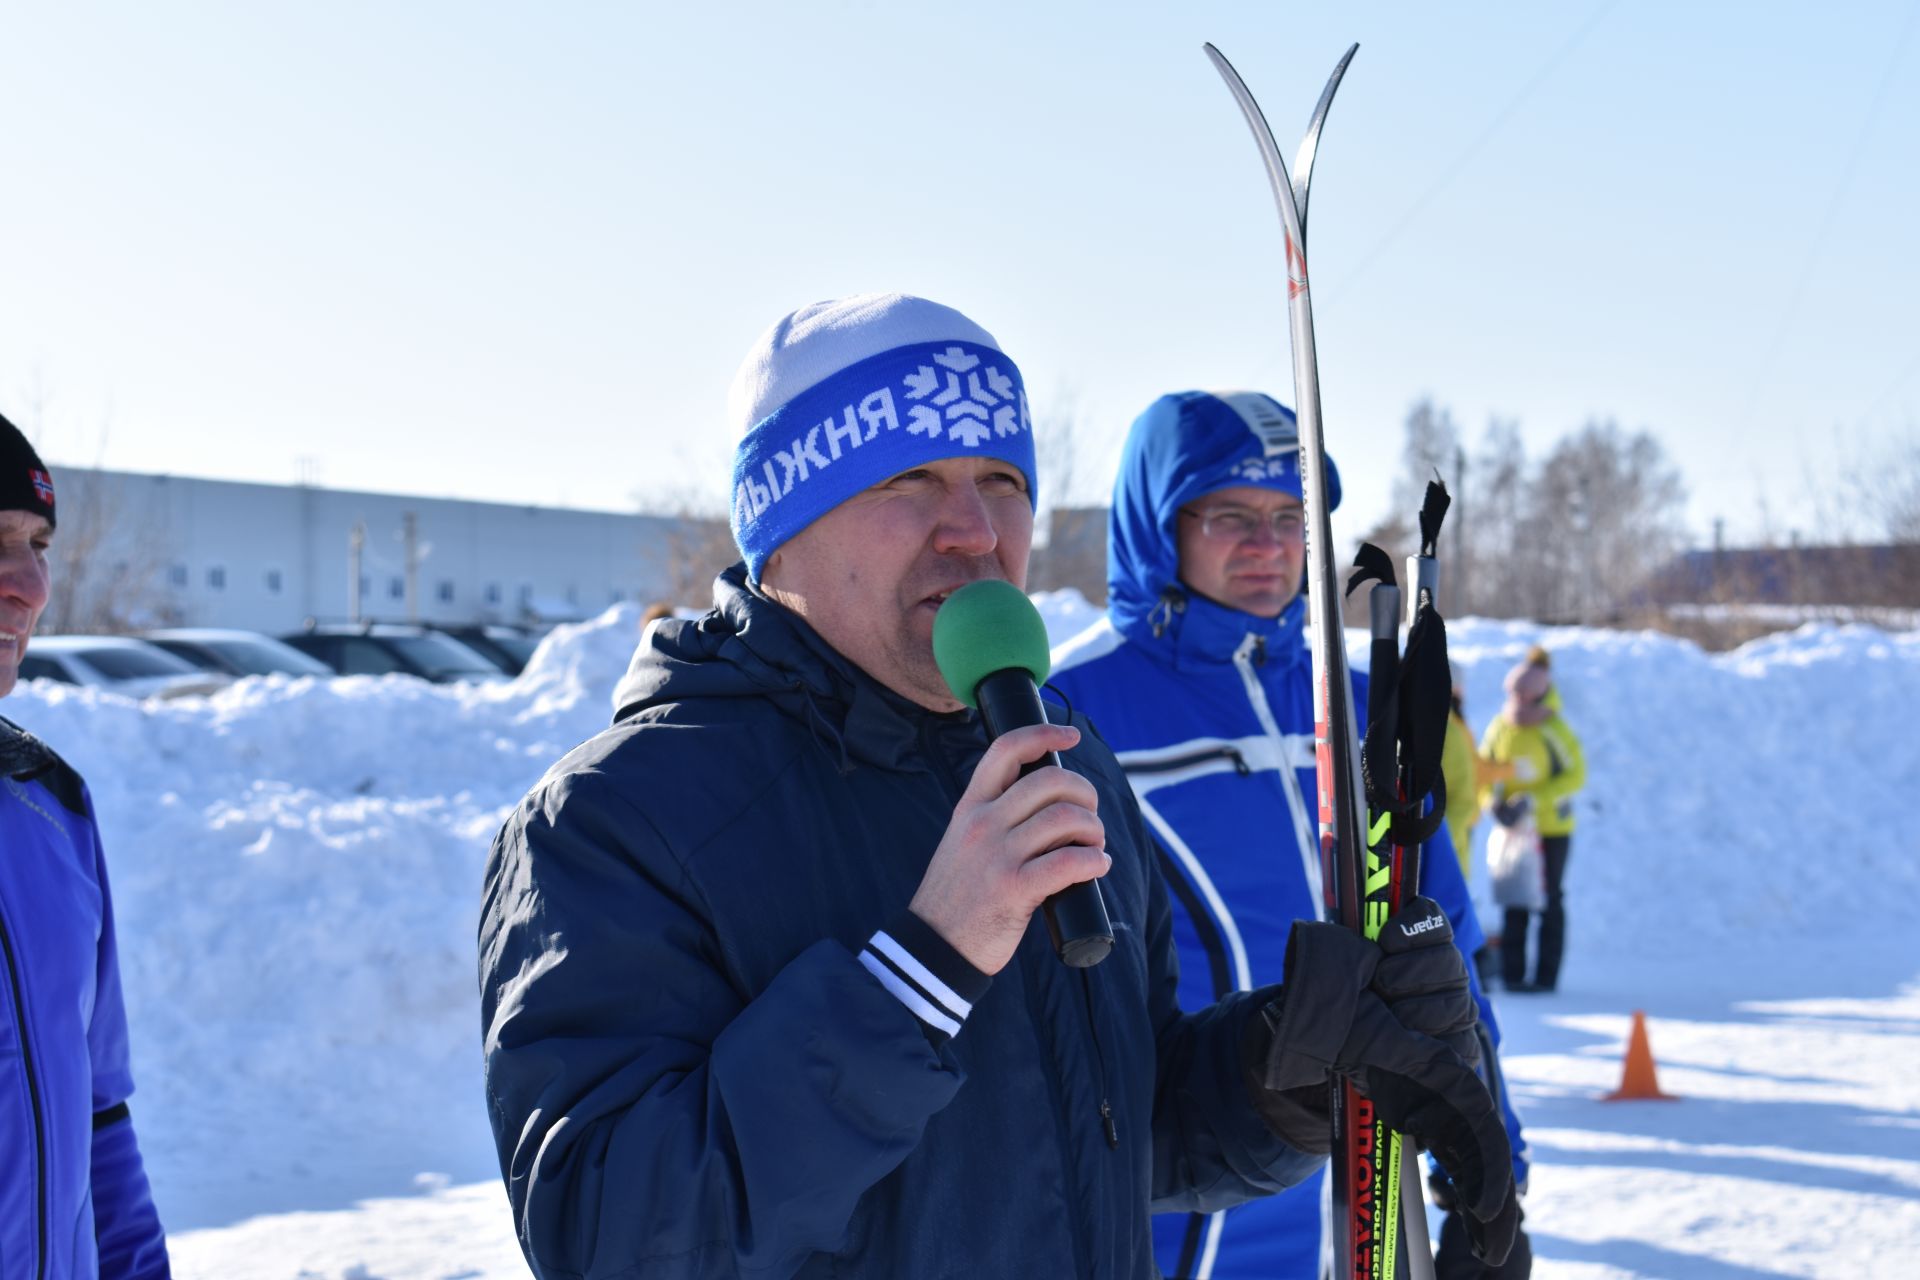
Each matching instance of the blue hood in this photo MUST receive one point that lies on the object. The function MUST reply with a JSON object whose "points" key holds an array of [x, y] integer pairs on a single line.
{"points": [[1186, 445]]}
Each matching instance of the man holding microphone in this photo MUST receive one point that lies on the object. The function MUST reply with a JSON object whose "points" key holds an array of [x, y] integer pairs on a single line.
{"points": [[763, 988]]}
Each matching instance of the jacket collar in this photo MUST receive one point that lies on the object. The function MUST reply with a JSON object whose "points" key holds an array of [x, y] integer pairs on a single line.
{"points": [[22, 755], [751, 646], [1189, 631]]}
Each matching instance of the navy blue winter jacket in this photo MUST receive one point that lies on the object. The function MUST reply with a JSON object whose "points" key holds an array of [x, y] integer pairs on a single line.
{"points": [[74, 1200], [1210, 712], [717, 1044]]}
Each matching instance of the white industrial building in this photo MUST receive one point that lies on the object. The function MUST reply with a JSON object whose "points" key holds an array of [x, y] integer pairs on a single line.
{"points": [[136, 550]]}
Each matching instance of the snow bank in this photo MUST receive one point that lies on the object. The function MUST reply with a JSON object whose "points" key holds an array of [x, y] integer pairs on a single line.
{"points": [[296, 871], [1739, 799]]}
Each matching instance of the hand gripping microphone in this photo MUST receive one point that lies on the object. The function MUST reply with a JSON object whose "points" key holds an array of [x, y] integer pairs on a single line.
{"points": [[991, 647]]}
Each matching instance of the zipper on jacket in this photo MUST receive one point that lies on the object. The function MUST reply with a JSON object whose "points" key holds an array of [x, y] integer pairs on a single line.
{"points": [[1107, 1124], [1240, 765], [1304, 836], [33, 1095], [1082, 1234]]}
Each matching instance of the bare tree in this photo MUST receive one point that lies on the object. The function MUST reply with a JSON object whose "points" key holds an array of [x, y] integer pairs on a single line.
{"points": [[1903, 503], [109, 561], [1432, 452], [1071, 519], [695, 549], [1432, 448], [1604, 513], [1494, 531], [1569, 538], [695, 544], [1883, 488], [1056, 453], [110, 554], [1879, 494]]}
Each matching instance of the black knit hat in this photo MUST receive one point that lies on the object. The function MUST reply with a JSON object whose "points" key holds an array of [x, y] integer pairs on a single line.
{"points": [[25, 483]]}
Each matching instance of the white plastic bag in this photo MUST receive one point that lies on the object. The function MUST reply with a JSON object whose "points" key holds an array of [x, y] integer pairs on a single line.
{"points": [[1515, 866]]}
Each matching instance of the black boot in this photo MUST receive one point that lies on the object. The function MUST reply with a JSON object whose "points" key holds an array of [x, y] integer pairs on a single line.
{"points": [[1553, 939], [1553, 921], [1513, 948]]}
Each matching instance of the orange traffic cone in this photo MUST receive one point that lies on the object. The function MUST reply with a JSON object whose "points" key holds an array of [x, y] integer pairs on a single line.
{"points": [[1637, 1080]]}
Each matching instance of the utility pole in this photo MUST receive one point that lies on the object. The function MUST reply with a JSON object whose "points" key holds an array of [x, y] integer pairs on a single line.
{"points": [[410, 536], [309, 470], [1461, 576], [356, 548]]}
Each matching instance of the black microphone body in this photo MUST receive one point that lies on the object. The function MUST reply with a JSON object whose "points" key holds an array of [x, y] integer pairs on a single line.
{"points": [[1077, 915]]}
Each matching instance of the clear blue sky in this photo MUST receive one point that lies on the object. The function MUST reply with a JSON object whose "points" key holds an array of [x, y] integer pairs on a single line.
{"points": [[515, 251]]}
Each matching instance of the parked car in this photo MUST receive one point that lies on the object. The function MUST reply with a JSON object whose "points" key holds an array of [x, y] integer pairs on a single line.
{"points": [[508, 648], [236, 653], [120, 663], [382, 648]]}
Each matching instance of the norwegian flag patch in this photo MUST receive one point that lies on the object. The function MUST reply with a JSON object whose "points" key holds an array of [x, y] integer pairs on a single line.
{"points": [[42, 485]]}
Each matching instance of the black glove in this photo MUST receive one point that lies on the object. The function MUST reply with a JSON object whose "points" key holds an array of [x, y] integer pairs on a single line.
{"points": [[1455, 1261], [1396, 1017], [1511, 809]]}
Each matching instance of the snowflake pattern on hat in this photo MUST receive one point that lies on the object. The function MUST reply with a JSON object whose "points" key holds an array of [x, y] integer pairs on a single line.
{"points": [[988, 396], [1258, 469], [881, 416]]}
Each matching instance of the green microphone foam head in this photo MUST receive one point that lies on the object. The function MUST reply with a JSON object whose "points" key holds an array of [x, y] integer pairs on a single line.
{"points": [[984, 627]]}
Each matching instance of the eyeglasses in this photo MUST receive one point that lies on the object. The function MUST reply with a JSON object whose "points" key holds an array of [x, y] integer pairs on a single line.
{"points": [[1237, 524]]}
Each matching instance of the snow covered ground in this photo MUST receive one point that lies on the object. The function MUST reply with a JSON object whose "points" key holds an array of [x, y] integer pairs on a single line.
{"points": [[297, 864]]}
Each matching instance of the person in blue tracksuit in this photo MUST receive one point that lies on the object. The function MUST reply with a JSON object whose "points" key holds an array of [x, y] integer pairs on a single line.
{"points": [[1199, 677], [763, 988], [74, 1199]]}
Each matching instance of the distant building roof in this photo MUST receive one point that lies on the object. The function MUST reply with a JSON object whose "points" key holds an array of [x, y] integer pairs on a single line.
{"points": [[1884, 575]]}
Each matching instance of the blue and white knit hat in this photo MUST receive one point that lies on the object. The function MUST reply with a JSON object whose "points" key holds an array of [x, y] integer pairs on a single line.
{"points": [[1256, 441], [840, 395]]}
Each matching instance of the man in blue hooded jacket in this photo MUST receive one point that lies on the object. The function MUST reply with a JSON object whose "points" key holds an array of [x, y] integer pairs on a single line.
{"points": [[1199, 678], [73, 1192], [762, 991]]}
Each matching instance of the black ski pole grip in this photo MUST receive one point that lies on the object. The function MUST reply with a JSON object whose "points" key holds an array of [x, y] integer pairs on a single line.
{"points": [[1077, 915], [1383, 668]]}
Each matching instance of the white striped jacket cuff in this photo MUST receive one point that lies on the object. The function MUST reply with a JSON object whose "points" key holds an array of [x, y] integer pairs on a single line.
{"points": [[923, 972]]}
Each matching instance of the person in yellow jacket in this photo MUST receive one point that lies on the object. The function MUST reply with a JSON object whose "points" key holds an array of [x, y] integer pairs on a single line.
{"points": [[1468, 776], [1533, 737]]}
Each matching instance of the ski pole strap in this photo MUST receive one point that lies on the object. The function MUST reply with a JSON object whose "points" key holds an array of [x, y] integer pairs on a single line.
{"points": [[1426, 678], [1379, 751], [1370, 564], [1425, 696], [1407, 701], [1433, 511]]}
